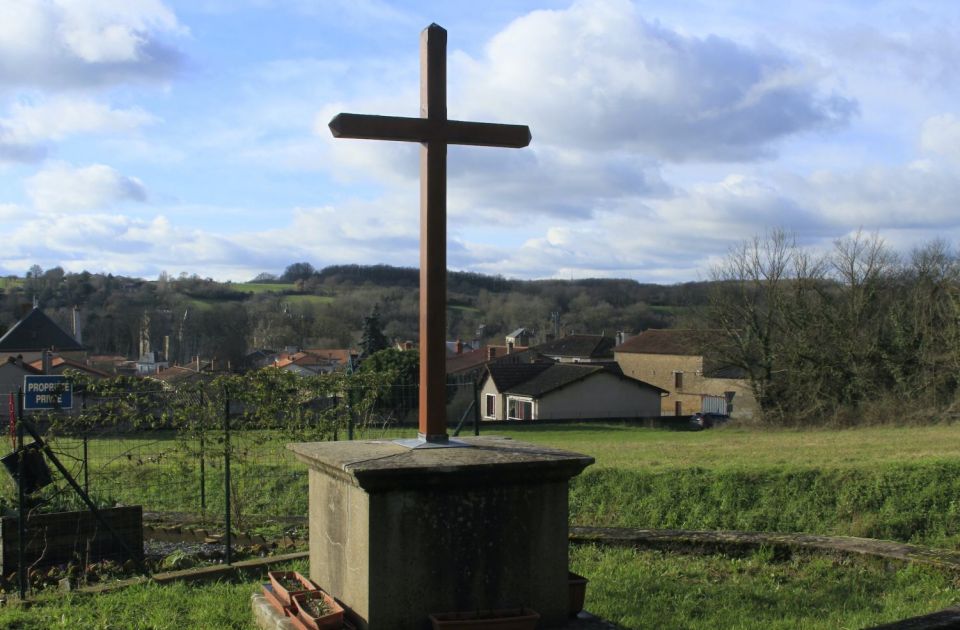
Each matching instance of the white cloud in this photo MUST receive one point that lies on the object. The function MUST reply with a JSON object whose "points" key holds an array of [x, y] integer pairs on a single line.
{"points": [[610, 97], [61, 117], [69, 43], [918, 195], [62, 187], [599, 76], [941, 135], [10, 212], [28, 127]]}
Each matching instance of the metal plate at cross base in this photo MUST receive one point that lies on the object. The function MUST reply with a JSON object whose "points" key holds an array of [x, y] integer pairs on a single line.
{"points": [[421, 443]]}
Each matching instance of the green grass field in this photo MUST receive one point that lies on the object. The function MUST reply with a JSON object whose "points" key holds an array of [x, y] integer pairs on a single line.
{"points": [[733, 449], [655, 589], [895, 483], [637, 589], [263, 287]]}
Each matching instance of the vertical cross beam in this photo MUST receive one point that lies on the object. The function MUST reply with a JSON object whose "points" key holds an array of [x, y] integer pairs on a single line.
{"points": [[433, 239], [434, 132]]}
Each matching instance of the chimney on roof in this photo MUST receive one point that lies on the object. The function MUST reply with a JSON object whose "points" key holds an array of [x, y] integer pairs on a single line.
{"points": [[459, 346], [509, 347], [77, 332], [491, 353], [198, 362]]}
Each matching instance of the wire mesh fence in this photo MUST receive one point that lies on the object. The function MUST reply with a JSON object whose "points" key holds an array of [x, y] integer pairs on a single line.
{"points": [[215, 451]]}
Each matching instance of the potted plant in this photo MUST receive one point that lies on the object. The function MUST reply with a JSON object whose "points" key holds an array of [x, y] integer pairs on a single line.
{"points": [[288, 583], [507, 619], [318, 611], [578, 591]]}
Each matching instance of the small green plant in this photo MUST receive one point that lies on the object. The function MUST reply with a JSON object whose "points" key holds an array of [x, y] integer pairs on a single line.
{"points": [[316, 605]]}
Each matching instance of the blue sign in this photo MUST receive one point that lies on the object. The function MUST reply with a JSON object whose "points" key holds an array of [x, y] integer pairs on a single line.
{"points": [[47, 392]]}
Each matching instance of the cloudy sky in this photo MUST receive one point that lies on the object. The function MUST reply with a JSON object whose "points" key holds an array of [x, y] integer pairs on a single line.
{"points": [[151, 135]]}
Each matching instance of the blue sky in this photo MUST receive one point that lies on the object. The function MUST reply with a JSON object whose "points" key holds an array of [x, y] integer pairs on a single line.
{"points": [[150, 136]]}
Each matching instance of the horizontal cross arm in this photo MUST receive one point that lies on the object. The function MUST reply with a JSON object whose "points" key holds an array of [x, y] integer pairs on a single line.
{"points": [[403, 129], [369, 127], [487, 134]]}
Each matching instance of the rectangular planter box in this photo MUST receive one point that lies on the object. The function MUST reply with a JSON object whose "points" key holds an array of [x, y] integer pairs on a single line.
{"points": [[518, 619], [70, 536]]}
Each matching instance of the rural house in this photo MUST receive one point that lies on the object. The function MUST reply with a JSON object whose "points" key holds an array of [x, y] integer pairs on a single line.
{"points": [[673, 359], [29, 337], [559, 391], [578, 349], [311, 362], [58, 365]]}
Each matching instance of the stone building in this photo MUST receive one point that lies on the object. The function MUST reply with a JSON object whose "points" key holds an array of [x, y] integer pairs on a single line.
{"points": [[674, 360]]}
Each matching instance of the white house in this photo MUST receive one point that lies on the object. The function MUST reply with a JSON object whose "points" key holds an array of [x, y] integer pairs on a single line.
{"points": [[555, 391]]}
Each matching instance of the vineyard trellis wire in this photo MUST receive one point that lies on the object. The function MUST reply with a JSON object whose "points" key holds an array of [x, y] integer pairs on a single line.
{"points": [[216, 448]]}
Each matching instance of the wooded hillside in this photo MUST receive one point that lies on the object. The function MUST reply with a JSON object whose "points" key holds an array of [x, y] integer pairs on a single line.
{"points": [[325, 308]]}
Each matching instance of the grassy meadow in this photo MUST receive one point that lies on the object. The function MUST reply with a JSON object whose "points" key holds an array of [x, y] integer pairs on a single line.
{"points": [[895, 483], [641, 589], [742, 449], [900, 483], [263, 287]]}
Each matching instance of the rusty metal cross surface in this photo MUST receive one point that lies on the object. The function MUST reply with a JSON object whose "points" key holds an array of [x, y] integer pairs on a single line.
{"points": [[434, 131]]}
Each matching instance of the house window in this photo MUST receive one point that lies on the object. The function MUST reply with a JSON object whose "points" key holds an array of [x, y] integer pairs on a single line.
{"points": [[678, 381], [519, 409], [490, 411], [678, 408]]}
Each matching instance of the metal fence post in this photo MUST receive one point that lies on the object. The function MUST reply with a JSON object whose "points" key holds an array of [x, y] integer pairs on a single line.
{"points": [[203, 463], [350, 412], [476, 409], [21, 503], [86, 455], [228, 552]]}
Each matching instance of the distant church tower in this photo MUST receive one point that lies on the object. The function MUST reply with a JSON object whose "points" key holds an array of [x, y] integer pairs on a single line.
{"points": [[145, 335]]}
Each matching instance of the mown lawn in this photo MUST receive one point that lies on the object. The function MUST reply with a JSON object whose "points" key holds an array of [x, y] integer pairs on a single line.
{"points": [[727, 448], [636, 588], [889, 483], [655, 589], [882, 482], [150, 606]]}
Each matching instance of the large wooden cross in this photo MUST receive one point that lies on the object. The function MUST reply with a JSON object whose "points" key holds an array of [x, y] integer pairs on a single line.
{"points": [[434, 132]]}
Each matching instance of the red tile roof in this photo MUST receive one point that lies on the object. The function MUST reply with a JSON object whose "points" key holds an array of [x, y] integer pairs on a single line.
{"points": [[678, 341]]}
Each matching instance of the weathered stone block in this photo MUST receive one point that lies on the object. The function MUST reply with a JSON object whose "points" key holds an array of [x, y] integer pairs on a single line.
{"points": [[397, 533]]}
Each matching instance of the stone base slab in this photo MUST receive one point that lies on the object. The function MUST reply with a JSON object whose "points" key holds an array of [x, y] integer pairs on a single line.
{"points": [[266, 617], [397, 533]]}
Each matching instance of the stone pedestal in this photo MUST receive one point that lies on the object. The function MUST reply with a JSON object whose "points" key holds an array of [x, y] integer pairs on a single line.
{"points": [[398, 533]]}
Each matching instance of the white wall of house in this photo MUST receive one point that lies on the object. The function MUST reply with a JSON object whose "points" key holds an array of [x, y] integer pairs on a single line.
{"points": [[602, 395], [489, 389], [11, 377]]}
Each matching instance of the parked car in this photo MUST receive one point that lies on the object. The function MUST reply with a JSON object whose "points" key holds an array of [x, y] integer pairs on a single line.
{"points": [[707, 420]]}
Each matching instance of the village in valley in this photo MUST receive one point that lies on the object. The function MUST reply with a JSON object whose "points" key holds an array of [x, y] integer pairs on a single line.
{"points": [[584, 315], [526, 375]]}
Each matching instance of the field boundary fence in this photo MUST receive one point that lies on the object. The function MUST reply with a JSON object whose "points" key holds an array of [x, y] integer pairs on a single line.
{"points": [[213, 451]]}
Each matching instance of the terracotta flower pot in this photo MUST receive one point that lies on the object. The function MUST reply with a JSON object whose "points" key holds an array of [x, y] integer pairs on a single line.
{"points": [[509, 619], [286, 584], [330, 619], [578, 591]]}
